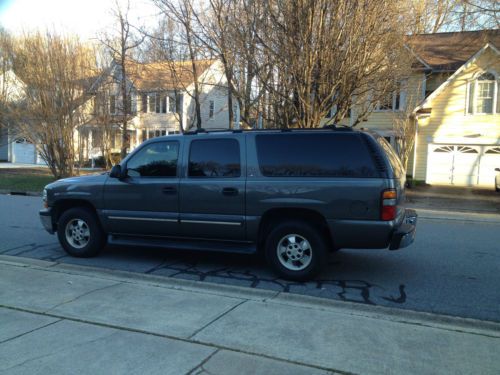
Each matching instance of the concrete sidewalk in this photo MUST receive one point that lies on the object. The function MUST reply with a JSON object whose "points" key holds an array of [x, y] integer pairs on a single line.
{"points": [[60, 319]]}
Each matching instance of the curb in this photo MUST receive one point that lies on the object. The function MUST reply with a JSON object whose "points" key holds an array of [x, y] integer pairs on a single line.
{"points": [[439, 321], [21, 193]]}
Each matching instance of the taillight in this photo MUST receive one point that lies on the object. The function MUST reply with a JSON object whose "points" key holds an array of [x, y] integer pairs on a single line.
{"points": [[389, 202]]}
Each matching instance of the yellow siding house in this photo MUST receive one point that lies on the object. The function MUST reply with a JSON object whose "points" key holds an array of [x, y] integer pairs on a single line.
{"points": [[454, 97]]}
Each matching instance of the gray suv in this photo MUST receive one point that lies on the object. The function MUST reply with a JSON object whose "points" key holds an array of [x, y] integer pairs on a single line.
{"points": [[294, 195]]}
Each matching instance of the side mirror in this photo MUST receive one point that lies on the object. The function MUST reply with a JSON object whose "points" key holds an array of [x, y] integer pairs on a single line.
{"points": [[497, 169], [116, 171]]}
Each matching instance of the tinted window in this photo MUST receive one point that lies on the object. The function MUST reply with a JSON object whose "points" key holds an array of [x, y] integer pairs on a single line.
{"points": [[396, 165], [157, 159], [214, 158], [314, 155]]}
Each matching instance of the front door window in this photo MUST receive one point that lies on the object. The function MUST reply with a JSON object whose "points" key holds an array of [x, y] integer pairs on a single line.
{"points": [[157, 159]]}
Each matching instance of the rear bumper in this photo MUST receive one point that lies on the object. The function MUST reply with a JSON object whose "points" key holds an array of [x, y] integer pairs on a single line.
{"points": [[46, 219], [404, 235]]}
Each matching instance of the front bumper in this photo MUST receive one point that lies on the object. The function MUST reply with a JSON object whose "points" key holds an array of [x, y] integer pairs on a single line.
{"points": [[405, 234], [46, 219]]}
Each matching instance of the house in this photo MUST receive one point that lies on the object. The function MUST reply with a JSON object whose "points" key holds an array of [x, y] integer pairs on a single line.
{"points": [[161, 102], [14, 148], [453, 95]]}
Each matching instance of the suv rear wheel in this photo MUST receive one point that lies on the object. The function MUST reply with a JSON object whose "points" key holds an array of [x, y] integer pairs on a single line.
{"points": [[79, 232], [295, 250]]}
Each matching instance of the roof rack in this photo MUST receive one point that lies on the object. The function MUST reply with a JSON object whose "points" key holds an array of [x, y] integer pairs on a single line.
{"points": [[337, 127], [227, 130]]}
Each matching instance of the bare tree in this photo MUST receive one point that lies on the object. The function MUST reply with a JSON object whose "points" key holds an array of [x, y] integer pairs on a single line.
{"points": [[326, 56], [102, 121], [404, 126], [122, 44], [5, 78], [54, 71], [229, 29], [182, 12], [429, 16], [478, 14]]}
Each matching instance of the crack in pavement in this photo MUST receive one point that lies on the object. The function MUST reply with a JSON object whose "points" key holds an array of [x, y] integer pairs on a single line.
{"points": [[349, 289], [202, 363], [66, 349], [28, 332], [81, 296], [217, 318]]}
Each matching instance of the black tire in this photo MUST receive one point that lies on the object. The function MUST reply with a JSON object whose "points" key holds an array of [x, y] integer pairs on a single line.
{"points": [[281, 233], [90, 246]]}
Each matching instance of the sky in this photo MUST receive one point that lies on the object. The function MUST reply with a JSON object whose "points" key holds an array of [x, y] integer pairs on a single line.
{"points": [[87, 18]]}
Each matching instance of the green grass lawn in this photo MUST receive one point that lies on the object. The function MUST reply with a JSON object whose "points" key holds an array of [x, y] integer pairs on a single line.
{"points": [[25, 179]]}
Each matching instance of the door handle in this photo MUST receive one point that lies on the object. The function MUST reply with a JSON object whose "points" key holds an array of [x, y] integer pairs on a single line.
{"points": [[169, 190], [229, 191]]}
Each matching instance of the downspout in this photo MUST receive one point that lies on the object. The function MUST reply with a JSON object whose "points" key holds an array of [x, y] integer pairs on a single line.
{"points": [[415, 143]]}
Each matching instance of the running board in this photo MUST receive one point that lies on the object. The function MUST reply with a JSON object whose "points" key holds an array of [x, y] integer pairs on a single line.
{"points": [[195, 245]]}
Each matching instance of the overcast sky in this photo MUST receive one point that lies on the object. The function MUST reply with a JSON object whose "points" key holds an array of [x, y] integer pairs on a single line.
{"points": [[83, 17]]}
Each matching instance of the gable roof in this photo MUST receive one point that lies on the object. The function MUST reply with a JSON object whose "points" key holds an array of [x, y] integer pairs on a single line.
{"points": [[449, 51], [439, 90], [164, 75]]}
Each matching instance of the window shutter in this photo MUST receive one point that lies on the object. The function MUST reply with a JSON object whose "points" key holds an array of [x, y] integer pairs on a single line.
{"points": [[498, 97], [470, 101]]}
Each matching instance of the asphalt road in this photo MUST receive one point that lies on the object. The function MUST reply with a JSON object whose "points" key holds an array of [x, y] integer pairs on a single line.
{"points": [[453, 267]]}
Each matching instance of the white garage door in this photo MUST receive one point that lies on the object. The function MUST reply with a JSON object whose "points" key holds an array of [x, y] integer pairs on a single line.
{"points": [[462, 165], [23, 152], [489, 161]]}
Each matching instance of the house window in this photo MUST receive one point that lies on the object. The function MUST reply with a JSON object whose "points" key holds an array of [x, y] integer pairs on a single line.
{"points": [[112, 104], [394, 101], [128, 105], [171, 103], [211, 106], [144, 103], [158, 103], [483, 95], [163, 103], [151, 102]]}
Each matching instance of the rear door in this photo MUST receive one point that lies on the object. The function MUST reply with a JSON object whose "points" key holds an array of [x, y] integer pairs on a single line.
{"points": [[212, 192]]}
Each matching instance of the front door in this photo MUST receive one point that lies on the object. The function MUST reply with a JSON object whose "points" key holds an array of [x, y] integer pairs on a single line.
{"points": [[146, 201], [212, 200]]}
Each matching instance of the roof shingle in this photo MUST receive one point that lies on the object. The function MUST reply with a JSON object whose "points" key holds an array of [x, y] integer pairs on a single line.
{"points": [[164, 75], [449, 51]]}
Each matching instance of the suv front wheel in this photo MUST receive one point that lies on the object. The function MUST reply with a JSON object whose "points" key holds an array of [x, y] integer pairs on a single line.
{"points": [[295, 250], [79, 233]]}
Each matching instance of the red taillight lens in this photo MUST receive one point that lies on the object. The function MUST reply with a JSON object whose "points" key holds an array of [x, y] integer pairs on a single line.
{"points": [[389, 201], [388, 212]]}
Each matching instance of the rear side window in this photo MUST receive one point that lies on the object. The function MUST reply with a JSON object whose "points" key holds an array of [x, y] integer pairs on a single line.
{"points": [[394, 160], [214, 158], [314, 155]]}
